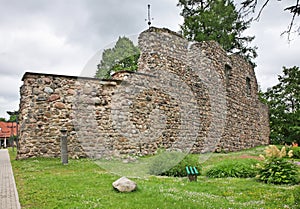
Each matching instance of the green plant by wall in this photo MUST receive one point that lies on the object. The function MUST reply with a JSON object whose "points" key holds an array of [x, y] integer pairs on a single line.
{"points": [[238, 168], [295, 151], [166, 164], [276, 169]]}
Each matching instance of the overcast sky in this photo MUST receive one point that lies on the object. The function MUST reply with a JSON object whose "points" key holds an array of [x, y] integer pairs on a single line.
{"points": [[61, 36]]}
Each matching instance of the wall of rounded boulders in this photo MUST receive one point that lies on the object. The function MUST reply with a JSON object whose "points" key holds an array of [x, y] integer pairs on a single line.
{"points": [[186, 96]]}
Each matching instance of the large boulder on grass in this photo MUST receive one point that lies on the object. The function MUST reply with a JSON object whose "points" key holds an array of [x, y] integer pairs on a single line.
{"points": [[124, 184]]}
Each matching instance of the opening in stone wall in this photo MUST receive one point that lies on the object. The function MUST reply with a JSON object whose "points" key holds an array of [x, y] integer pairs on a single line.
{"points": [[227, 73], [248, 86]]}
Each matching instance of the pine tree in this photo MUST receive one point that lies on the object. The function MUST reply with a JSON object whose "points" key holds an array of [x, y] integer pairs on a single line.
{"points": [[217, 20]]}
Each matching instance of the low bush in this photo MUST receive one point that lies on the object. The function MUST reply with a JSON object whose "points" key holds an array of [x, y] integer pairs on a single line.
{"points": [[276, 169], [239, 168], [172, 164]]}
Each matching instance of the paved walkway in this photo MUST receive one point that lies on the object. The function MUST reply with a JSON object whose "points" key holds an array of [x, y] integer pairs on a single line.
{"points": [[9, 198]]}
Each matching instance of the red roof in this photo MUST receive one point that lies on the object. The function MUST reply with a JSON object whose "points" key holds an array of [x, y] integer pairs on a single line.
{"points": [[7, 129]]}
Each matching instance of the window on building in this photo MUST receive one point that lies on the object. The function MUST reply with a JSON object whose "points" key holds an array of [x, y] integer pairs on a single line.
{"points": [[248, 86], [227, 73]]}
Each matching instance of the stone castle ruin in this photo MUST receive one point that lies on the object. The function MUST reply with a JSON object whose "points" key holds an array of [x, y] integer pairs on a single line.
{"points": [[185, 96]]}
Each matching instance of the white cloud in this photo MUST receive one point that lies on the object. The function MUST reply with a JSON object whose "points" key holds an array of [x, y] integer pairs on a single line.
{"points": [[60, 37], [9, 95], [274, 50]]}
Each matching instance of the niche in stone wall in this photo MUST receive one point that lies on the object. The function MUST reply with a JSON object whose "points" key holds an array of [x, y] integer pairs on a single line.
{"points": [[227, 73], [248, 86]]}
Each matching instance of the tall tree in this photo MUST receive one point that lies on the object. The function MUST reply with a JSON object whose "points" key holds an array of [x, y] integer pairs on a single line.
{"points": [[217, 20], [284, 103], [123, 56]]}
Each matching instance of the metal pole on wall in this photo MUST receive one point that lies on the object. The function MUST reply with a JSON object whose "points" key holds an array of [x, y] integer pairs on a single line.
{"points": [[64, 146]]}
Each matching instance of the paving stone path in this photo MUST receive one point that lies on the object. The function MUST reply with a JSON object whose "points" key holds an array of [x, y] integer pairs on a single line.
{"points": [[9, 198]]}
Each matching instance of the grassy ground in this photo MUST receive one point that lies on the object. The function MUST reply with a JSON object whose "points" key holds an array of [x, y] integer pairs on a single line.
{"points": [[45, 183]]}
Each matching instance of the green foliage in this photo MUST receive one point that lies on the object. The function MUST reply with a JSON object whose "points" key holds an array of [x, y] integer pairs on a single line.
{"points": [[284, 103], [13, 118], [166, 164], [217, 20], [128, 63], [2, 119], [278, 171], [296, 151], [238, 168], [123, 56]]}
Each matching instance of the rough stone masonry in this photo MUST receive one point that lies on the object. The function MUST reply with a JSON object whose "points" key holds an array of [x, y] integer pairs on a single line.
{"points": [[185, 96]]}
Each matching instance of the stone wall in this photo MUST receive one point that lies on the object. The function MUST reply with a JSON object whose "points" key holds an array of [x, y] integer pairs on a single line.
{"points": [[188, 96]]}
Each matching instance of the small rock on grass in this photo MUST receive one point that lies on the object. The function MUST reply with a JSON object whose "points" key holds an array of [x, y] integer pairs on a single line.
{"points": [[124, 184]]}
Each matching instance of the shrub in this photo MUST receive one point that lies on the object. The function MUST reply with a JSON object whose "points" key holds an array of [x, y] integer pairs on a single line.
{"points": [[166, 164], [238, 168], [296, 152], [276, 169]]}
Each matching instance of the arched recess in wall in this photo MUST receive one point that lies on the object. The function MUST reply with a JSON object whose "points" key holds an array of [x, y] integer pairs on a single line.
{"points": [[248, 86], [227, 71]]}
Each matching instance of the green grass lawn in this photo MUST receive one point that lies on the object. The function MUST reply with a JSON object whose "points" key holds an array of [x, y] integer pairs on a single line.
{"points": [[46, 183]]}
